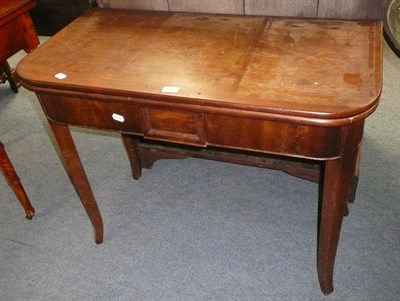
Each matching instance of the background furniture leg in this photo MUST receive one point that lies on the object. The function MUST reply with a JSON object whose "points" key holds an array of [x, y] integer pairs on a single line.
{"points": [[354, 181], [132, 150], [15, 183], [9, 76], [78, 177]]}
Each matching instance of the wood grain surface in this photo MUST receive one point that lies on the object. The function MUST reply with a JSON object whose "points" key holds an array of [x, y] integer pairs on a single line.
{"points": [[309, 68], [9, 6]]}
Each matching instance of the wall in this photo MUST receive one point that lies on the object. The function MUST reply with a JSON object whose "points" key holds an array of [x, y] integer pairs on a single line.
{"points": [[52, 15], [342, 9]]}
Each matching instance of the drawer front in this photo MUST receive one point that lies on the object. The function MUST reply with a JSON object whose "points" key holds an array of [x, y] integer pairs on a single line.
{"points": [[91, 113], [153, 122], [273, 137], [174, 125]]}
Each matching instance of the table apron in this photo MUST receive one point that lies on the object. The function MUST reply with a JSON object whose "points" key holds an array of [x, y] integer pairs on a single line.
{"points": [[181, 125]]}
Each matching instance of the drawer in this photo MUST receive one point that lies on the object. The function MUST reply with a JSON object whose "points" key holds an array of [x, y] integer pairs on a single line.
{"points": [[93, 113], [153, 122], [273, 137], [174, 125]]}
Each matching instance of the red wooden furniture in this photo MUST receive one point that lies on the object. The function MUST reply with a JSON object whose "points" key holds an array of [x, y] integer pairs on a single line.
{"points": [[15, 183], [273, 92], [16, 32]]}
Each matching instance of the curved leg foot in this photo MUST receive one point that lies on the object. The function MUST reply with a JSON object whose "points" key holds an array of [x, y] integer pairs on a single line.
{"points": [[29, 215]]}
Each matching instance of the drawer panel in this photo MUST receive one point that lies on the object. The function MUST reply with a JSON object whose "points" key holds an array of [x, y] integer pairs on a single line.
{"points": [[273, 137], [174, 125], [157, 123], [92, 113]]}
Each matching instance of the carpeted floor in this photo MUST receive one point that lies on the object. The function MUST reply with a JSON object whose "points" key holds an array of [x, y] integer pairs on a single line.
{"points": [[191, 229]]}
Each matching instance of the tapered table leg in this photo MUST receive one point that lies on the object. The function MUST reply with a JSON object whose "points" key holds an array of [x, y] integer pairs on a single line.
{"points": [[337, 180], [132, 150], [78, 177], [15, 183]]}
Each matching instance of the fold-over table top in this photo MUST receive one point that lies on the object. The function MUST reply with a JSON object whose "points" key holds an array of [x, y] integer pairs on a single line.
{"points": [[324, 69]]}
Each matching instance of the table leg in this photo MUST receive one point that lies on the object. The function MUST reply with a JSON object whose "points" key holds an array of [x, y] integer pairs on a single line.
{"points": [[78, 177], [132, 150], [15, 183], [11, 79], [353, 184], [337, 180], [354, 181]]}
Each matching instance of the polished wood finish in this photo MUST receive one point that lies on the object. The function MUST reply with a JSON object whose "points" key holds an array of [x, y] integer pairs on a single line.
{"points": [[10, 9], [247, 90], [78, 177], [16, 33], [337, 180], [15, 183]]}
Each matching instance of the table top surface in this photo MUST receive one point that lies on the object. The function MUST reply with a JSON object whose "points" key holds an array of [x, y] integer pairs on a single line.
{"points": [[310, 68], [9, 6]]}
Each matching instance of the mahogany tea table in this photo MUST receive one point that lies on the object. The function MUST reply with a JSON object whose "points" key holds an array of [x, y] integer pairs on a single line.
{"points": [[289, 94]]}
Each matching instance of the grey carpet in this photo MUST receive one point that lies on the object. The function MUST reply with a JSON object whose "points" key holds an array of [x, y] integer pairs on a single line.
{"points": [[191, 229]]}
